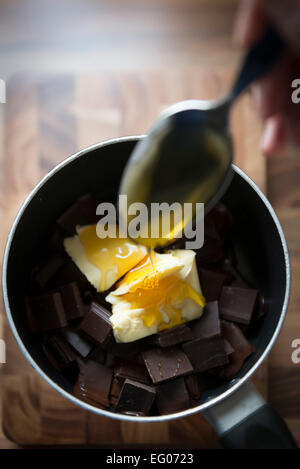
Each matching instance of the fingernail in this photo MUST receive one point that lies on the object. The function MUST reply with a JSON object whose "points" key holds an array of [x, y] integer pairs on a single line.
{"points": [[267, 141], [274, 136]]}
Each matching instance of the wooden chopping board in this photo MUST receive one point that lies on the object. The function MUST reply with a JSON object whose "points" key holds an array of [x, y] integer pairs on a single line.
{"points": [[47, 118]]}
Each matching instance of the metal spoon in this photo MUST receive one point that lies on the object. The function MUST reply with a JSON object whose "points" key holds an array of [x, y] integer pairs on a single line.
{"points": [[187, 155]]}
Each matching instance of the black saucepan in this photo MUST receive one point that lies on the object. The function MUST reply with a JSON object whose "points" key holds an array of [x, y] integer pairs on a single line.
{"points": [[240, 415]]}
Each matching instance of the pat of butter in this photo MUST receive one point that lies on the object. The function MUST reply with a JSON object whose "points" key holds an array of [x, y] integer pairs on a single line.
{"points": [[102, 261], [161, 292]]}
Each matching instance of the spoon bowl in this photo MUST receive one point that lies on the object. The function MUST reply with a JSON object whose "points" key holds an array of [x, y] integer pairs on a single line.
{"points": [[187, 155], [185, 158]]}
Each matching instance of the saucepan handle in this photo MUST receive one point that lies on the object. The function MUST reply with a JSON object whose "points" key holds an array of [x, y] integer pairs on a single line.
{"points": [[246, 421]]}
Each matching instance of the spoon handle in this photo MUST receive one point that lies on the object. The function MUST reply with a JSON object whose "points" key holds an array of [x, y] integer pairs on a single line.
{"points": [[258, 60]]}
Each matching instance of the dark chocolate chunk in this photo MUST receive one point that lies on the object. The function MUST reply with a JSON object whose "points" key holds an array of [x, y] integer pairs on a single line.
{"points": [[172, 397], [132, 350], [211, 283], [94, 382], [193, 386], [82, 212], [237, 304], [98, 355], [87, 296], [165, 364], [260, 308], [228, 348], [210, 253], [233, 334], [132, 370], [79, 343], [218, 222], [238, 280], [110, 360], [208, 325], [96, 325], [48, 269], [135, 397], [70, 273], [206, 353], [56, 241], [72, 302], [115, 391], [174, 336], [242, 349], [59, 353], [84, 397], [46, 312]]}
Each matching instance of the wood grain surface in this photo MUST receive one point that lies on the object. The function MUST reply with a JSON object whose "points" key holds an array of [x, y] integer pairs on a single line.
{"points": [[48, 118], [78, 35]]}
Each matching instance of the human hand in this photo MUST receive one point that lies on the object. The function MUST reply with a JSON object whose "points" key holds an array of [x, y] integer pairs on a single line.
{"points": [[272, 93]]}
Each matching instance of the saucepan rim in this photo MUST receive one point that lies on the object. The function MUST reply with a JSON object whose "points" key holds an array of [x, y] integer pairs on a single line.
{"points": [[108, 413]]}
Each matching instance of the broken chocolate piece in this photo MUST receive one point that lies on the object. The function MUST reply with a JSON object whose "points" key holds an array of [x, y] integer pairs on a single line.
{"points": [[211, 252], [132, 350], [48, 269], [98, 355], [132, 370], [165, 364], [228, 348], [79, 343], [206, 353], [70, 273], [218, 222], [242, 349], [260, 308], [208, 325], [82, 212], [238, 280], [211, 283], [56, 241], [96, 325], [94, 382], [174, 336], [172, 397], [46, 312], [237, 304], [193, 386], [84, 397], [115, 391], [59, 353], [110, 360], [72, 301], [135, 397]]}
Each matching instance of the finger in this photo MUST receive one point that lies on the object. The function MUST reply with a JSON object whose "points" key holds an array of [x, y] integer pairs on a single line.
{"points": [[293, 125], [274, 135], [272, 93], [249, 23], [285, 15]]}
